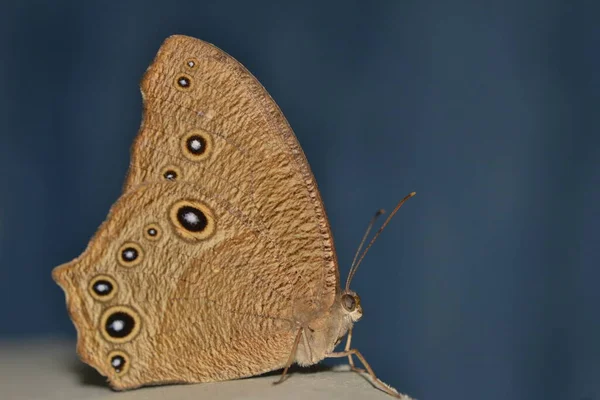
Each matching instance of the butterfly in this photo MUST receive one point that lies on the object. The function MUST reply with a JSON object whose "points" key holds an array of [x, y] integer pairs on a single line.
{"points": [[217, 262]]}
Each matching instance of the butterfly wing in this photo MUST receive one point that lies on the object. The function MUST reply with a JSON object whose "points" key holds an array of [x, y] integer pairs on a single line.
{"points": [[159, 297], [208, 120], [156, 299]]}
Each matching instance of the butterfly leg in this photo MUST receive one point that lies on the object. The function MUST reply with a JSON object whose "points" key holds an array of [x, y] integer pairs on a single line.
{"points": [[290, 360], [379, 384], [350, 359]]}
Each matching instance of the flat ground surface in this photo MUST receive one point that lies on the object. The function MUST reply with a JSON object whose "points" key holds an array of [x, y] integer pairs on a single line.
{"points": [[51, 370]]}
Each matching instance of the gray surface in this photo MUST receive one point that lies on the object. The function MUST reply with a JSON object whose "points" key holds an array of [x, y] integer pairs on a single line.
{"points": [[51, 370]]}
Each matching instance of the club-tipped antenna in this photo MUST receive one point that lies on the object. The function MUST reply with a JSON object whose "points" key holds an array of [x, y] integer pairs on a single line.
{"points": [[355, 264], [362, 242]]}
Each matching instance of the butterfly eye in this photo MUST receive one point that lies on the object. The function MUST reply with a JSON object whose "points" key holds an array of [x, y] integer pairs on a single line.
{"points": [[196, 145], [119, 361], [119, 324], [348, 302], [152, 232], [192, 220], [130, 254], [183, 82], [103, 287]]}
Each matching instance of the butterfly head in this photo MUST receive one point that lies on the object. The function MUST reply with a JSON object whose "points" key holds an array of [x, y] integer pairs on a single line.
{"points": [[351, 305], [350, 300]]}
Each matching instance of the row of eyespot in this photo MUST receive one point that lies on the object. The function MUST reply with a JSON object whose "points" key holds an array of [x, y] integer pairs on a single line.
{"points": [[196, 145], [103, 287], [183, 81], [119, 323], [193, 220]]}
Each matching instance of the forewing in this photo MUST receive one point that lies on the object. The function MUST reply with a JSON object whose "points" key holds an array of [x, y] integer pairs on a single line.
{"points": [[208, 120]]}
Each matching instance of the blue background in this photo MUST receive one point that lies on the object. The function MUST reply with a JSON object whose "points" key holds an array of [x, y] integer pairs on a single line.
{"points": [[486, 283]]}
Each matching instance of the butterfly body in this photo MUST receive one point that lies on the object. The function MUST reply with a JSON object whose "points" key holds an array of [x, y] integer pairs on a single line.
{"points": [[324, 332], [217, 262]]}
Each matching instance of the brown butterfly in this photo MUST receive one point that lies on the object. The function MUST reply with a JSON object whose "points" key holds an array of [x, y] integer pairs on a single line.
{"points": [[217, 262]]}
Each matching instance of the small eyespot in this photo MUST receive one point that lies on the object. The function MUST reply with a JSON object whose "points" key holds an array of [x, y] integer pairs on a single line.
{"points": [[196, 145], [130, 254], [192, 220], [119, 361], [183, 82], [191, 63], [171, 173], [152, 232], [103, 287], [348, 302], [119, 324]]}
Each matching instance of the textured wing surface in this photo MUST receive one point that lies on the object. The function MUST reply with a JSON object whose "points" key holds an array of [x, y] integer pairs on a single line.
{"points": [[219, 245], [197, 311], [247, 154]]}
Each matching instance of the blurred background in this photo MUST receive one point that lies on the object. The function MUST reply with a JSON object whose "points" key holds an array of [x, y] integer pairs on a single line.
{"points": [[486, 283]]}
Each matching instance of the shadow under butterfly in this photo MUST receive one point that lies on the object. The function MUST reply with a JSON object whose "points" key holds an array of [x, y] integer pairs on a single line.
{"points": [[217, 262]]}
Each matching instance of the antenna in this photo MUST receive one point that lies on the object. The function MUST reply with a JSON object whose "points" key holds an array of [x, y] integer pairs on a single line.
{"points": [[362, 242], [355, 264]]}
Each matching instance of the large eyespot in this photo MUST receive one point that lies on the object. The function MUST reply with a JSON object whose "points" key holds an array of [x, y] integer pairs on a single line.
{"points": [[119, 324], [191, 63], [348, 302], [183, 82], [103, 287], [171, 173], [130, 254], [119, 361], [152, 232], [196, 145], [192, 220]]}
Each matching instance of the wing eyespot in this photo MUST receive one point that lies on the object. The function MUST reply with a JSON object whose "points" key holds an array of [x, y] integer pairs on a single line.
{"points": [[120, 324], [119, 361], [171, 173], [191, 63], [152, 232], [103, 287], [196, 145], [192, 220], [130, 254], [183, 82]]}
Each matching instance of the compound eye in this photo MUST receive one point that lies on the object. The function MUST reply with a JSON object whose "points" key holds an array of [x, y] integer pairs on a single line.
{"points": [[348, 302]]}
